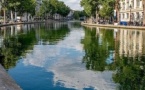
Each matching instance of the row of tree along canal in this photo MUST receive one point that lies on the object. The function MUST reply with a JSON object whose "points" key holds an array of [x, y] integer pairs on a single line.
{"points": [[32, 9]]}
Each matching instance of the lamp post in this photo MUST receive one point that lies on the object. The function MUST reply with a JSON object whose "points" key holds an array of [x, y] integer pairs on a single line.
{"points": [[130, 14]]}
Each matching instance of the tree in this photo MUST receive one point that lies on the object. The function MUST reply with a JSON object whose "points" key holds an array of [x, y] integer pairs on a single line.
{"points": [[4, 7], [143, 2], [54, 6], [44, 9], [63, 9], [107, 9], [102, 7], [76, 15], [12, 5], [91, 7], [79, 14], [27, 6]]}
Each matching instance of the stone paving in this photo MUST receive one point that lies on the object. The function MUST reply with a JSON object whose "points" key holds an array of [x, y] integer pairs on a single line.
{"points": [[6, 82]]}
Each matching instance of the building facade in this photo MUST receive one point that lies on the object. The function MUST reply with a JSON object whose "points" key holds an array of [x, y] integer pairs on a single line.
{"points": [[131, 11]]}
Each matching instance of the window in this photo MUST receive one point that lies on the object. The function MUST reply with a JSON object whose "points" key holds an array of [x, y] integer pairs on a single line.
{"points": [[127, 5], [137, 15], [127, 15], [137, 3], [123, 15], [132, 3], [123, 6], [132, 16]]}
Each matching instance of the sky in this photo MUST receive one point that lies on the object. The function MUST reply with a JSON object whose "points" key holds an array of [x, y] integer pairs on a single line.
{"points": [[73, 4]]}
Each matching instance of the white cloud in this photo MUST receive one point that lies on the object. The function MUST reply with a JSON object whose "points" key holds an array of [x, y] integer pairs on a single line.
{"points": [[73, 4]]}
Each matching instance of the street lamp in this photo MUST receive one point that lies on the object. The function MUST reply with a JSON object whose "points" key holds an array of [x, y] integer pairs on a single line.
{"points": [[130, 14]]}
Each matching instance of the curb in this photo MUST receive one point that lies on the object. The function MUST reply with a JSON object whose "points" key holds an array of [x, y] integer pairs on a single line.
{"points": [[8, 24], [115, 26]]}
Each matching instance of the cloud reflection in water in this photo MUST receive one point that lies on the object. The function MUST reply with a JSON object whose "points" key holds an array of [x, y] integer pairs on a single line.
{"points": [[65, 61]]}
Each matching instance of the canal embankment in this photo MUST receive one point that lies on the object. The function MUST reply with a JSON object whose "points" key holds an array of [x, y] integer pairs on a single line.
{"points": [[114, 26], [6, 82], [16, 23]]}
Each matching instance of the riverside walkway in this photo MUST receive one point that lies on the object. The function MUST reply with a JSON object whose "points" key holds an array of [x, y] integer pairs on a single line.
{"points": [[114, 26], [6, 82], [15, 23]]}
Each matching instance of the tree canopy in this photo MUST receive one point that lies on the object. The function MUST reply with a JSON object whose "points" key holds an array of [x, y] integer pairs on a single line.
{"points": [[54, 6], [22, 6], [79, 14], [103, 7], [91, 6]]}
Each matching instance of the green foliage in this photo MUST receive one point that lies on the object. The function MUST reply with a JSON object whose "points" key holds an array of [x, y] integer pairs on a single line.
{"points": [[26, 6], [22, 6], [54, 6], [90, 6], [63, 9], [103, 7], [96, 52], [130, 73], [54, 35], [12, 4], [107, 9], [78, 14], [15, 46]]}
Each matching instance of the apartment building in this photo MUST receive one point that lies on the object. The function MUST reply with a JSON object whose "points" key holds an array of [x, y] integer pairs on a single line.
{"points": [[131, 11]]}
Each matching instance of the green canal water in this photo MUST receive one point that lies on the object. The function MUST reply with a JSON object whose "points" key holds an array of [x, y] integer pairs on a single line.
{"points": [[67, 56]]}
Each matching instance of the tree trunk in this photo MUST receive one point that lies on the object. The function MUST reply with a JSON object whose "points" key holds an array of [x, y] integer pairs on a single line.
{"points": [[90, 21], [12, 18], [4, 16], [143, 2], [117, 8], [15, 15], [97, 17], [27, 16]]}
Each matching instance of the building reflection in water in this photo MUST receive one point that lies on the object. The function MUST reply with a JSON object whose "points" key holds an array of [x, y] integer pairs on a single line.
{"points": [[129, 59], [123, 49], [131, 42]]}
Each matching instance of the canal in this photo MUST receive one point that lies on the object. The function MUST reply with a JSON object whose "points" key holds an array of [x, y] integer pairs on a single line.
{"points": [[67, 56]]}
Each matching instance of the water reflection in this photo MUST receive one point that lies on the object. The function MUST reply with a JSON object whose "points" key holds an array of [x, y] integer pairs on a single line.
{"points": [[130, 72], [99, 48], [125, 50], [16, 40], [64, 59], [66, 56]]}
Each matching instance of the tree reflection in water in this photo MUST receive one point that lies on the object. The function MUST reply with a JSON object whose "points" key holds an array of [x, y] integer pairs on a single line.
{"points": [[129, 69], [97, 46], [13, 47], [130, 73]]}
